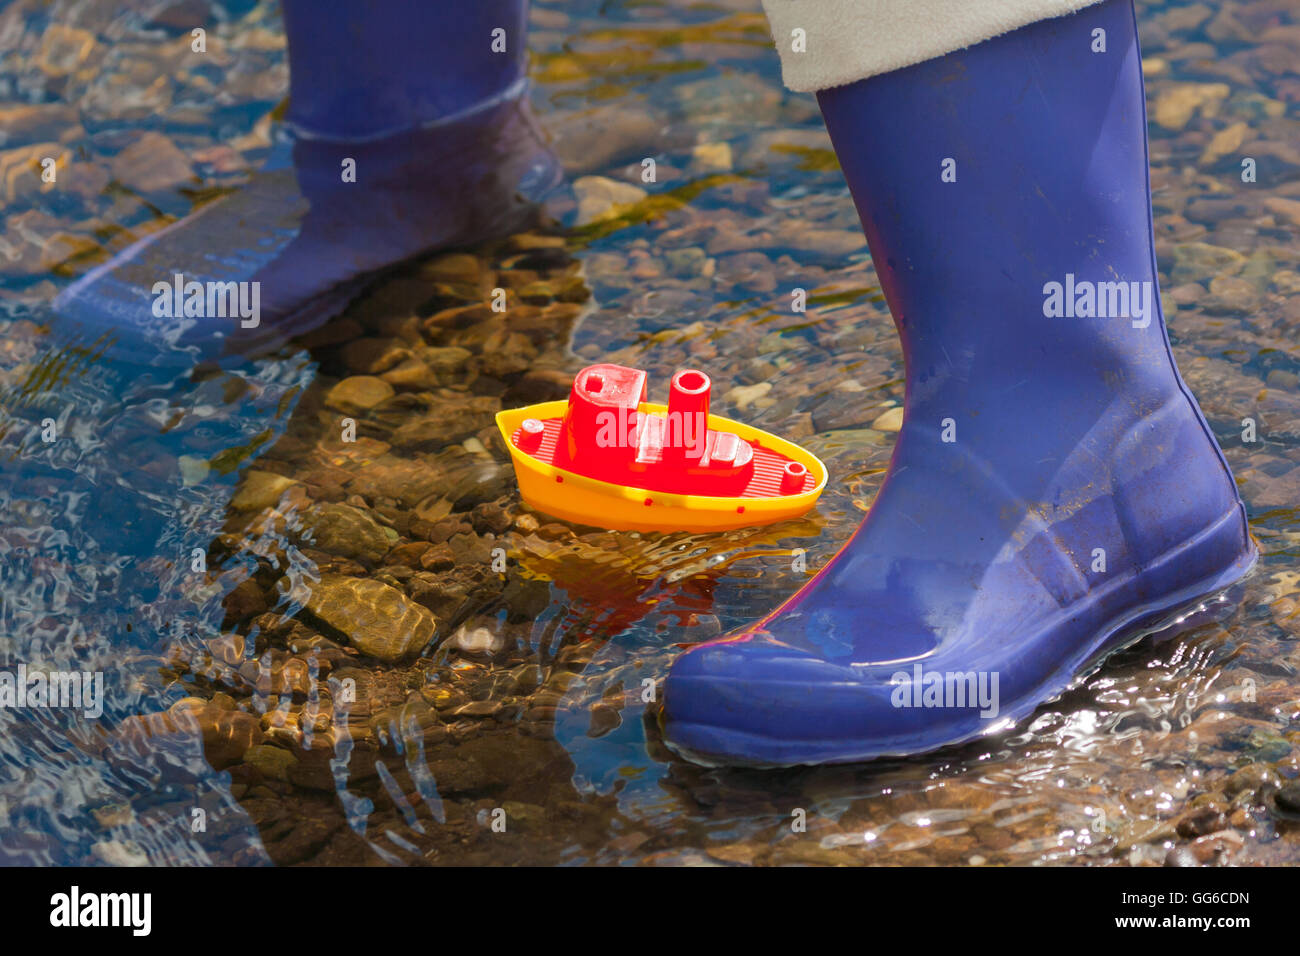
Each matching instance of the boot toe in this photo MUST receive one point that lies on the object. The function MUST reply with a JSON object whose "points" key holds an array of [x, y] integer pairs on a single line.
{"points": [[754, 700]]}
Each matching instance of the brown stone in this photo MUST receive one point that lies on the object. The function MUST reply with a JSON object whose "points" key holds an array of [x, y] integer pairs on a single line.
{"points": [[152, 164], [378, 620]]}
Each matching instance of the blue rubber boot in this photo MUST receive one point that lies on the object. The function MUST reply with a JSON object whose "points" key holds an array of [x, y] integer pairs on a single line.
{"points": [[1055, 491], [408, 130]]}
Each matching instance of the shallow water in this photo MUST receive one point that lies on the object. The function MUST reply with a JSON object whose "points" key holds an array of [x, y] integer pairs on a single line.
{"points": [[226, 735]]}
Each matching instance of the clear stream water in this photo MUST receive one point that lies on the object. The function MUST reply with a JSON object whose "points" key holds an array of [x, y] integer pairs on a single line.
{"points": [[1169, 753]]}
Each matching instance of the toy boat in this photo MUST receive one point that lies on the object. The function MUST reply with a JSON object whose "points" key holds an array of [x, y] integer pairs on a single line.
{"points": [[609, 458]]}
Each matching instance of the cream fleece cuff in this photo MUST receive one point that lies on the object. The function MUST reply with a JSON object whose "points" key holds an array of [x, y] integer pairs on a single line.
{"points": [[847, 40]]}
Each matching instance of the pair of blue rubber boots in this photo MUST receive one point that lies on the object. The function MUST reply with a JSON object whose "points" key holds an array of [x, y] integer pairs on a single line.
{"points": [[1054, 491]]}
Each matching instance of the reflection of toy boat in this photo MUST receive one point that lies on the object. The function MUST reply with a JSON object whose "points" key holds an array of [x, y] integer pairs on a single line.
{"points": [[609, 458]]}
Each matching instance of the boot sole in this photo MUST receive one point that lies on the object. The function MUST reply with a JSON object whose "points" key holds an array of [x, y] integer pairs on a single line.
{"points": [[1164, 619]]}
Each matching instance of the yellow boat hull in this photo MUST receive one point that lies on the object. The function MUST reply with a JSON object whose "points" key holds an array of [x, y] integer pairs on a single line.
{"points": [[573, 497]]}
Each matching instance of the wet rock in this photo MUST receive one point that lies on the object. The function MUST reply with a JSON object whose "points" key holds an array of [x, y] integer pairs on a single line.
{"points": [[1181, 856], [1265, 490], [490, 517], [358, 394], [114, 815], [285, 677], [304, 839], [539, 385], [451, 421], [227, 648], [1212, 210], [1229, 294], [742, 396], [478, 708], [1154, 66], [438, 325], [736, 240], [604, 720], [260, 490], [152, 164], [1184, 19], [432, 510], [440, 595], [373, 356], [445, 364], [1189, 293], [750, 270], [480, 482], [1175, 106], [1282, 379], [64, 49], [226, 734], [407, 481], [531, 290], [600, 137], [526, 815], [454, 268], [245, 602], [274, 763], [689, 262], [712, 158], [836, 412], [534, 242], [405, 327], [810, 148], [1226, 28], [600, 198], [1288, 798], [743, 854], [193, 469], [343, 530], [1198, 821], [395, 575], [629, 843], [1285, 209], [572, 291], [181, 16], [891, 420], [494, 760], [729, 94], [1197, 261], [31, 123], [1250, 779], [407, 554], [120, 853], [62, 252], [444, 699], [1287, 281], [507, 353], [1224, 143], [1285, 608], [412, 374], [378, 620], [33, 243], [1216, 847], [475, 640], [826, 242], [21, 170]]}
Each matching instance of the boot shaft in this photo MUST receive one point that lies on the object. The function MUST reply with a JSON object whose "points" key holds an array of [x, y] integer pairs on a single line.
{"points": [[370, 69], [1004, 192]]}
